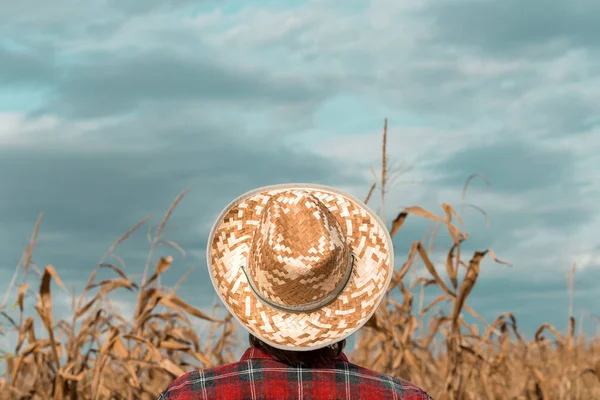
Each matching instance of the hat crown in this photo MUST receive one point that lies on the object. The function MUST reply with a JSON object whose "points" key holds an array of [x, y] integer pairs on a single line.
{"points": [[299, 254]]}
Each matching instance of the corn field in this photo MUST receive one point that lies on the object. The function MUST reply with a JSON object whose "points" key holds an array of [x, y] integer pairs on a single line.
{"points": [[97, 353]]}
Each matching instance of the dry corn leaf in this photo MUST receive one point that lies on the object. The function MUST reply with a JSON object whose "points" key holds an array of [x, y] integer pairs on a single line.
{"points": [[467, 284], [70, 377], [200, 357], [162, 265], [173, 345], [432, 271], [397, 223], [171, 367], [110, 285], [450, 269], [175, 303], [114, 268], [152, 350], [21, 296], [45, 308]]}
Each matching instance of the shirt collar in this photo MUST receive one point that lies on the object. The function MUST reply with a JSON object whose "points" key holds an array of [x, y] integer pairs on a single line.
{"points": [[254, 353]]}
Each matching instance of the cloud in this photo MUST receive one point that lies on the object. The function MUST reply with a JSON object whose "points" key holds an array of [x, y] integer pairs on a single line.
{"points": [[400, 57], [109, 85], [512, 25], [63, 15], [92, 194], [135, 102], [513, 165], [24, 68]]}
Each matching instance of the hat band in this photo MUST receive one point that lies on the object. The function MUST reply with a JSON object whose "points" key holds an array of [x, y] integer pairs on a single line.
{"points": [[306, 307]]}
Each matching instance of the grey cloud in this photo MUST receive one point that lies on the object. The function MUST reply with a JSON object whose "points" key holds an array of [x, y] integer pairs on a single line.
{"points": [[513, 166], [95, 83], [513, 25], [23, 67], [91, 196], [135, 7], [443, 88], [118, 83], [36, 10], [67, 12], [568, 112], [521, 95], [496, 61], [544, 179], [50, 22]]}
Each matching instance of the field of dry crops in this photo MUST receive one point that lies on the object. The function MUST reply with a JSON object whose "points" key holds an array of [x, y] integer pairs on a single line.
{"points": [[97, 353]]}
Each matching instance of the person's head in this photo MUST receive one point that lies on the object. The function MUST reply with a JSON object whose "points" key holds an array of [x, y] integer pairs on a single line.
{"points": [[307, 359], [300, 266]]}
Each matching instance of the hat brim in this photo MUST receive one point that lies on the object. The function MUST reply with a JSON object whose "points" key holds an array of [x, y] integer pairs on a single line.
{"points": [[228, 249]]}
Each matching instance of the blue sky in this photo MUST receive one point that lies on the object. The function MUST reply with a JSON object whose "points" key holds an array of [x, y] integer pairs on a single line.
{"points": [[109, 109]]}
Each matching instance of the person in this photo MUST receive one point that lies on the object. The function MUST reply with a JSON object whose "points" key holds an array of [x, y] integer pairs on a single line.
{"points": [[301, 267]]}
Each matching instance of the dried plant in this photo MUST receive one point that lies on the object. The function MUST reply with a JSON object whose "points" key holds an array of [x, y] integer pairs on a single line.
{"points": [[452, 359], [99, 353]]}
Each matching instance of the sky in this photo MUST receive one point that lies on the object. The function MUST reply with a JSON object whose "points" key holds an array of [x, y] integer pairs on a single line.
{"points": [[109, 109]]}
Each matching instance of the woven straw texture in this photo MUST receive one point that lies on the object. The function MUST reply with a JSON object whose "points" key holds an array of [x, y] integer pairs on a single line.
{"points": [[294, 243]]}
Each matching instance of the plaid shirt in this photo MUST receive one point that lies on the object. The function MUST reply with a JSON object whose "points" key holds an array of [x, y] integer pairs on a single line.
{"points": [[258, 376]]}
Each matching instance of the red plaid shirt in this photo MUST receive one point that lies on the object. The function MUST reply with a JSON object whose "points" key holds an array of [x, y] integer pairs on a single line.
{"points": [[258, 376]]}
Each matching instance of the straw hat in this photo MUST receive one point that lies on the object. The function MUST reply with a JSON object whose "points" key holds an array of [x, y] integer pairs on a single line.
{"points": [[300, 266]]}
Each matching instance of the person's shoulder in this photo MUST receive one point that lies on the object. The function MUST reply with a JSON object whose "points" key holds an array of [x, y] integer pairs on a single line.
{"points": [[195, 384], [405, 389]]}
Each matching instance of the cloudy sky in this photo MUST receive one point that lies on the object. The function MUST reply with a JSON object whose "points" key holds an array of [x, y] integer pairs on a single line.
{"points": [[109, 109]]}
